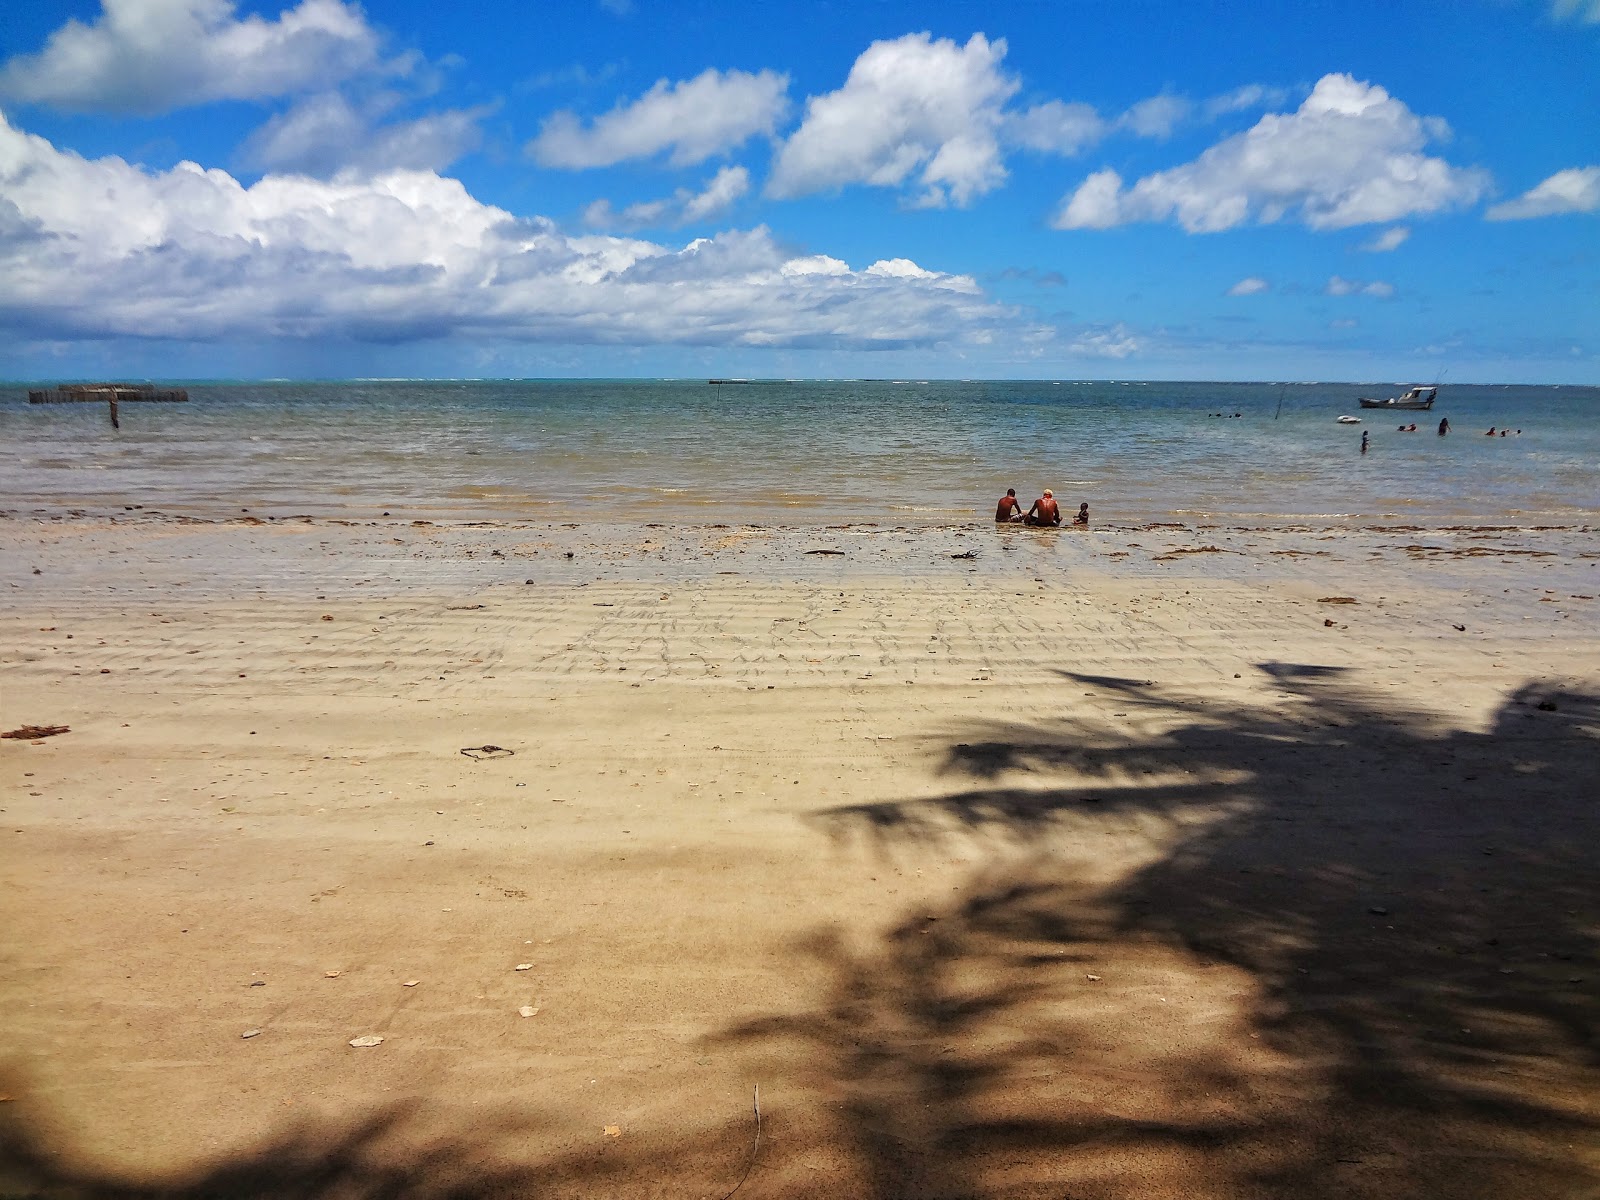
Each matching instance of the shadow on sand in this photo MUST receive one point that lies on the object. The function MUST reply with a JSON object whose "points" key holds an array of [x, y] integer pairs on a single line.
{"points": [[1384, 933], [1356, 957]]}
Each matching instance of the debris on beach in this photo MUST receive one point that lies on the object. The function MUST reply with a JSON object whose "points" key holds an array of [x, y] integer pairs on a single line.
{"points": [[371, 1039], [250, 1033], [527, 1010], [966, 554], [482, 752], [612, 1131], [32, 733], [1337, 600], [524, 966], [824, 551]]}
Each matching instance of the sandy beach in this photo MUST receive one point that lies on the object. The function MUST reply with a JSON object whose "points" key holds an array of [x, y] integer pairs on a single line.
{"points": [[1157, 861]]}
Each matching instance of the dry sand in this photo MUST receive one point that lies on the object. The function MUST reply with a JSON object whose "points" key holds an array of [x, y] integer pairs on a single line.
{"points": [[1125, 863]]}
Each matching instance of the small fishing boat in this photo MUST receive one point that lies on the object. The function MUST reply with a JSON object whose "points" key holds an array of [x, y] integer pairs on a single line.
{"points": [[1417, 399], [1349, 420]]}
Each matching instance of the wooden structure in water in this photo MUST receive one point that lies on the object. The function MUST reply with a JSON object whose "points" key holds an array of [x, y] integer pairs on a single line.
{"points": [[111, 393]]}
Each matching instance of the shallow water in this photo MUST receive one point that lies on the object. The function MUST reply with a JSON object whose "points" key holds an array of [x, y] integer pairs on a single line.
{"points": [[918, 453]]}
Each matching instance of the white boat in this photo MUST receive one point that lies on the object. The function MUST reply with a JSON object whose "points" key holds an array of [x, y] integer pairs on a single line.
{"points": [[1416, 399], [1348, 420]]}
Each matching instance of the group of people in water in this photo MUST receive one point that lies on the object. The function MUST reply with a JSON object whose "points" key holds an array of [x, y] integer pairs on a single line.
{"points": [[1444, 428], [1045, 511]]}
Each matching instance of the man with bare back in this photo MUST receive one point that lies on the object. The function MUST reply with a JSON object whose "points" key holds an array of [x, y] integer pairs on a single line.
{"points": [[1044, 511]]}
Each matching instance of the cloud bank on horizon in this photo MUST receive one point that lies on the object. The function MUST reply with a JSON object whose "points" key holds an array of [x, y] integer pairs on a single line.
{"points": [[402, 254], [360, 204]]}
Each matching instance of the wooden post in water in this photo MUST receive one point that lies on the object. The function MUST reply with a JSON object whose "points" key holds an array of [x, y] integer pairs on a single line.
{"points": [[111, 393]]}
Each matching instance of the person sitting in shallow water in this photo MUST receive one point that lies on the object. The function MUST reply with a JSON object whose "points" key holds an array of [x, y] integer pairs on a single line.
{"points": [[1083, 515], [1009, 508], [1044, 511]]}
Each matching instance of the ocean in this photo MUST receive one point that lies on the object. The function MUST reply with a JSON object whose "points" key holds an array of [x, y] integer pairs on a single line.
{"points": [[891, 452]]}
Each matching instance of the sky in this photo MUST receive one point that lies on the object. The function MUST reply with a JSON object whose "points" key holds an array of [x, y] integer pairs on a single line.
{"points": [[1107, 189]]}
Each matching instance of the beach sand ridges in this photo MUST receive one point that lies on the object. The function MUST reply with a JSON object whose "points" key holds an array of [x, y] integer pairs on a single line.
{"points": [[1108, 864]]}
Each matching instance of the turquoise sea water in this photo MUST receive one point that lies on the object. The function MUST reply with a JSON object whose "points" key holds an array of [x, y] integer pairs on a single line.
{"points": [[892, 452]]}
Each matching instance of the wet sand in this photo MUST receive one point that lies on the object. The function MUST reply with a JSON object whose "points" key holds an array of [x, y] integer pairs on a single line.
{"points": [[1157, 861]]}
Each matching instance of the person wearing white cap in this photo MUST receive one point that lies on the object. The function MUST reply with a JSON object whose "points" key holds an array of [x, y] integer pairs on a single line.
{"points": [[1044, 511]]}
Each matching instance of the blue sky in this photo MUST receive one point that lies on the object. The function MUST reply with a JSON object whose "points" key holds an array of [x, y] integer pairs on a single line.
{"points": [[1354, 190]]}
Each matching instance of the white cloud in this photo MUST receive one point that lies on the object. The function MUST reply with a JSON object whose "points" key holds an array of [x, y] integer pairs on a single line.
{"points": [[1116, 341], [1390, 239], [685, 207], [1055, 127], [1251, 95], [1575, 190], [725, 188], [324, 135], [691, 120], [1252, 286], [1350, 155], [192, 254], [816, 264], [1586, 11], [1095, 205], [913, 112], [151, 56], [1158, 116], [1337, 285]]}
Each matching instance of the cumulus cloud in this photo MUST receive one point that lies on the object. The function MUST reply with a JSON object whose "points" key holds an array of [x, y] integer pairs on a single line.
{"points": [[1114, 341], [1575, 190], [1389, 239], [1350, 155], [690, 121], [192, 254], [913, 112], [1337, 285], [324, 135], [685, 207], [152, 56], [1251, 286], [1097, 204]]}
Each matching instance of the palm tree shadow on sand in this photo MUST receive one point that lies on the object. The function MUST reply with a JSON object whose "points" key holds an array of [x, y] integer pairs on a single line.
{"points": [[1356, 956], [1401, 918]]}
